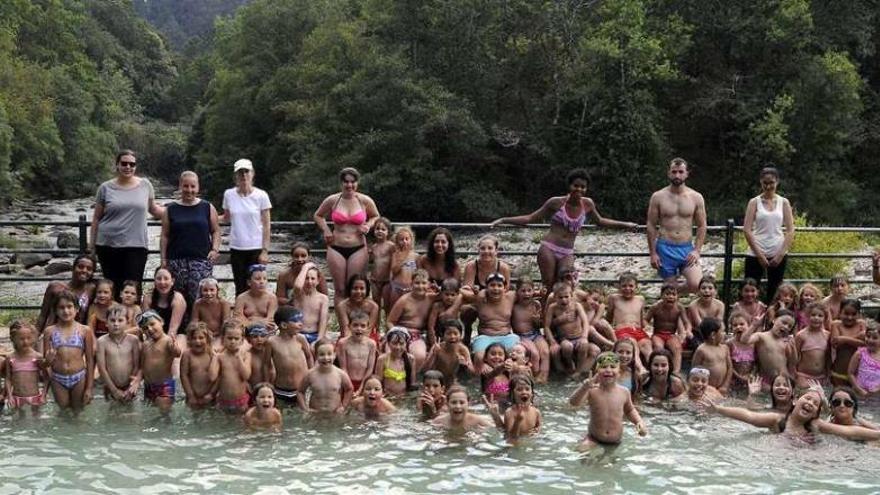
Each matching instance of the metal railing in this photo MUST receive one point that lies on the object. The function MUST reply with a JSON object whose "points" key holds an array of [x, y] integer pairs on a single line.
{"points": [[728, 254]]}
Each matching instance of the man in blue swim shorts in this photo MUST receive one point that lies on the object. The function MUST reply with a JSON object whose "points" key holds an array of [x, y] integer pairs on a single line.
{"points": [[676, 209]]}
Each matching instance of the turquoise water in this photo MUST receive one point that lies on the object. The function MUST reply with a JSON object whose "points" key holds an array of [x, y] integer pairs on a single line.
{"points": [[135, 450]]}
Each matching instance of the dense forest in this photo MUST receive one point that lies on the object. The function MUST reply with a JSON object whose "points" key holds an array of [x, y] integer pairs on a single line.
{"points": [[457, 110]]}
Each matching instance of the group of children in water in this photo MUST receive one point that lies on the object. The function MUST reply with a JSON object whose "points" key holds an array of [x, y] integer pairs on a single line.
{"points": [[269, 351]]}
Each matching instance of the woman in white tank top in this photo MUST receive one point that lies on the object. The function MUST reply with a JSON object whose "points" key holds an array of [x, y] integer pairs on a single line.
{"points": [[769, 230]]}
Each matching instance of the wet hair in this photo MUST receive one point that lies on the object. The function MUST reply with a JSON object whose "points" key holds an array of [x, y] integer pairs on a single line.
{"points": [[433, 375], [769, 171], [64, 295], [576, 174], [284, 314], [407, 364], [817, 305], [324, 342], [668, 286], [300, 245], [403, 230], [635, 385], [792, 291], [677, 162], [707, 279], [451, 323], [785, 312], [374, 377], [853, 303], [16, 327], [524, 281], [489, 237], [449, 262], [154, 299], [117, 309], [124, 152], [838, 278], [456, 389], [195, 327], [808, 425], [359, 315], [514, 380], [132, 283], [627, 277], [261, 386], [450, 285], [872, 327], [230, 324], [355, 278], [654, 355], [708, 327], [349, 171], [791, 385], [848, 391]]}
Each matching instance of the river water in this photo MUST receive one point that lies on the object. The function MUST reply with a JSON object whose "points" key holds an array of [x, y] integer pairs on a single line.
{"points": [[135, 450]]}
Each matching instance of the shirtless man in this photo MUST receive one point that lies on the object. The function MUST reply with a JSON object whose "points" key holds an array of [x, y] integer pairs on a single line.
{"points": [[314, 305], [494, 306], [357, 353], [412, 311], [288, 356], [118, 357], [330, 386], [626, 311], [257, 304], [677, 208]]}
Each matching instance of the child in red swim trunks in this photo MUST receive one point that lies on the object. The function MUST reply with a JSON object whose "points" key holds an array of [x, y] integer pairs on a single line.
{"points": [[625, 311], [671, 326]]}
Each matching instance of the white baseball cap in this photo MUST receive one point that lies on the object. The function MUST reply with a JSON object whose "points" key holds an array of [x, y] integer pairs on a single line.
{"points": [[243, 164]]}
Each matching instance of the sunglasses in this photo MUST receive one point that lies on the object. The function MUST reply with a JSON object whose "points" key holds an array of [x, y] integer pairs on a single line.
{"points": [[128, 164], [845, 402]]}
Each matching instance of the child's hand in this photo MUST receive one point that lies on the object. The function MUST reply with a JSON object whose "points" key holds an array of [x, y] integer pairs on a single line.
{"points": [[755, 383], [508, 365], [486, 369], [463, 360], [491, 406], [49, 358], [707, 403], [642, 428]]}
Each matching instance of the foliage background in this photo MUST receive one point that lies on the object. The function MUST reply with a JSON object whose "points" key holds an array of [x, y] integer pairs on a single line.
{"points": [[452, 110]]}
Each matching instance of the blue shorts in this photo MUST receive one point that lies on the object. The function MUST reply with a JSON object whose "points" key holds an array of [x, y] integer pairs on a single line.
{"points": [[481, 342], [311, 337], [673, 257]]}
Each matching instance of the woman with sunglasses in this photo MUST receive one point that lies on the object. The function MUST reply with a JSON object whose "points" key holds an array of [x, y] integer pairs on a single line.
{"points": [[844, 422], [119, 223]]}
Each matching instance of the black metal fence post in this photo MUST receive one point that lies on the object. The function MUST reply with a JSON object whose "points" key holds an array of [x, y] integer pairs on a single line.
{"points": [[728, 266], [83, 232]]}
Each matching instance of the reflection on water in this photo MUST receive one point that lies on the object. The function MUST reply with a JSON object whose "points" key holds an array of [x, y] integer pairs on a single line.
{"points": [[135, 450]]}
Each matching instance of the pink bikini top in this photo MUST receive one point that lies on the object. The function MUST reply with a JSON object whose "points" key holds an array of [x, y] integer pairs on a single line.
{"points": [[339, 217], [573, 225], [19, 365]]}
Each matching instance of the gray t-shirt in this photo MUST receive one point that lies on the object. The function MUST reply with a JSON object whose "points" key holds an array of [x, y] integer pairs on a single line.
{"points": [[124, 223]]}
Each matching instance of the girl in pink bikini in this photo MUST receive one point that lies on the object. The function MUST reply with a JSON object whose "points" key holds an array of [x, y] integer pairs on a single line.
{"points": [[864, 366], [741, 352], [24, 369], [567, 215], [353, 215]]}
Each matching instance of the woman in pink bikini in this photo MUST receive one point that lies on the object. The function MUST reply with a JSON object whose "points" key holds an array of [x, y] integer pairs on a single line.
{"points": [[567, 215], [352, 214]]}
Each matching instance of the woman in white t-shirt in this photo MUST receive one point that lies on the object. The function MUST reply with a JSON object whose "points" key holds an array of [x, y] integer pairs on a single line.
{"points": [[769, 230], [246, 208]]}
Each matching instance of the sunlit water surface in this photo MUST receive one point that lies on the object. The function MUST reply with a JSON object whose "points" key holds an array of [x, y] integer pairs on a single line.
{"points": [[135, 450]]}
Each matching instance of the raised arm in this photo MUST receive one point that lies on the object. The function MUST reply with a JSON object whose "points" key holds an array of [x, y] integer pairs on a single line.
{"points": [[849, 432], [601, 221], [549, 206], [759, 419], [581, 395]]}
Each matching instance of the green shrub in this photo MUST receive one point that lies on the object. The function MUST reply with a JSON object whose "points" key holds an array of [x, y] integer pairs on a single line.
{"points": [[810, 242], [8, 242]]}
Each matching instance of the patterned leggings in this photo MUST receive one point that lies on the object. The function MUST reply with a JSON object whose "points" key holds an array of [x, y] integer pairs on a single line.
{"points": [[188, 273]]}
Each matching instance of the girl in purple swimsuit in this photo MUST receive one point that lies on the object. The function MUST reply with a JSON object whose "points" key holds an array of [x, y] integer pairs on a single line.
{"points": [[567, 215]]}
